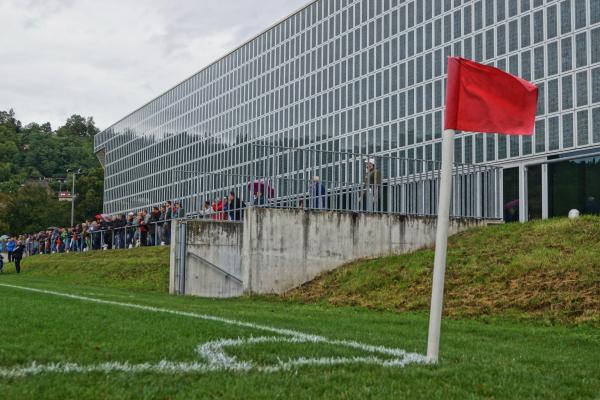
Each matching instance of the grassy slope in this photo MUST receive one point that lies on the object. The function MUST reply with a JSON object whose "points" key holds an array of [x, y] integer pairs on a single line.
{"points": [[138, 269], [545, 270]]}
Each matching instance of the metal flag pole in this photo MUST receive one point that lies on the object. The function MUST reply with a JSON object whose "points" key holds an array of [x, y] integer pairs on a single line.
{"points": [[441, 244]]}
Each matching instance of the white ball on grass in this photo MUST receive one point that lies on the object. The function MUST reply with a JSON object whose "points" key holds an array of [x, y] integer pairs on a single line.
{"points": [[573, 214]]}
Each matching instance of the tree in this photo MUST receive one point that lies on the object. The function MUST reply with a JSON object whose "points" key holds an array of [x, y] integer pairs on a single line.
{"points": [[89, 188], [34, 208], [77, 125], [33, 158]]}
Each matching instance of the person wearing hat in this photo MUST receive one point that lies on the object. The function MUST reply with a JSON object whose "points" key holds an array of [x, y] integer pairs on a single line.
{"points": [[372, 186]]}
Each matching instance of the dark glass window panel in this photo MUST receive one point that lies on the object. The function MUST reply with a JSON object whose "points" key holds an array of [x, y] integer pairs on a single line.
{"points": [[501, 39], [467, 18], [538, 26], [514, 145], [457, 24], [438, 125], [447, 28], [479, 148], [580, 13], [596, 85], [513, 64], [567, 130], [541, 99], [553, 96], [581, 49], [489, 44], [479, 47], [565, 16], [526, 145], [478, 14], [467, 48], [572, 185], [566, 54], [538, 55], [500, 10], [525, 31], [510, 184], [582, 86], [596, 125], [567, 92], [468, 149], [595, 45], [553, 134], [540, 136], [534, 192], [489, 12], [582, 128], [502, 146], [513, 8], [552, 50], [526, 65], [551, 22], [490, 142], [513, 35], [428, 36]]}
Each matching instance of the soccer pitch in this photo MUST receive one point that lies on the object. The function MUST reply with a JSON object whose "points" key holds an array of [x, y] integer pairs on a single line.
{"points": [[66, 341]]}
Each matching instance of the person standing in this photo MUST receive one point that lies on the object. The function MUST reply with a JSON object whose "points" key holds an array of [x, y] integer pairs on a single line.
{"points": [[372, 186], [167, 225], [207, 211], [143, 220], [178, 211], [10, 247], [318, 193], [18, 255], [153, 239], [236, 212]]}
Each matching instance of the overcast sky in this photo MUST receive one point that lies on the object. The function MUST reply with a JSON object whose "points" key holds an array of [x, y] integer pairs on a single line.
{"points": [[106, 58]]}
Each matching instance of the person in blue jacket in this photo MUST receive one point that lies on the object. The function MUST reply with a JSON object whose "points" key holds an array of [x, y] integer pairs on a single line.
{"points": [[10, 247], [318, 193]]}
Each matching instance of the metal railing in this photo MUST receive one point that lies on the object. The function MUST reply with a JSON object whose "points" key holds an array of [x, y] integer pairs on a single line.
{"points": [[122, 237], [315, 179], [309, 179]]}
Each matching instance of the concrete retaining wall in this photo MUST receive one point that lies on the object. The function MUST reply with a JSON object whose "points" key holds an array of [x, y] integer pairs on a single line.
{"points": [[213, 263], [275, 250]]}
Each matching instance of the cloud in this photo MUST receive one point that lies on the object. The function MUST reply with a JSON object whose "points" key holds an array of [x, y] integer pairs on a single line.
{"points": [[107, 58]]}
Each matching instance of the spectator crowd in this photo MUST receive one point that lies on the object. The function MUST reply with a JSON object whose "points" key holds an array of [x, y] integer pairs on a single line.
{"points": [[153, 227], [142, 228]]}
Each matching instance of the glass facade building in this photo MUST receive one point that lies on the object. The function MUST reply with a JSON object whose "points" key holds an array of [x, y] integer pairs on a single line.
{"points": [[368, 76]]}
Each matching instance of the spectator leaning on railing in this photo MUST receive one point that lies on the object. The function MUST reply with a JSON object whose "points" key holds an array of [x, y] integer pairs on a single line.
{"points": [[120, 231]]}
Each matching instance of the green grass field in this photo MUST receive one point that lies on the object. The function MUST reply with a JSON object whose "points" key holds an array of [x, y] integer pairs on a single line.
{"points": [[97, 326]]}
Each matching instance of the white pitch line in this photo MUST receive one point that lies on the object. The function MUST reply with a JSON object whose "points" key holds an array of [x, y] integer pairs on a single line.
{"points": [[214, 352]]}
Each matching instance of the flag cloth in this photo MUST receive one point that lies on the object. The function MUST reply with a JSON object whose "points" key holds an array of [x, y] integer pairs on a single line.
{"points": [[480, 98]]}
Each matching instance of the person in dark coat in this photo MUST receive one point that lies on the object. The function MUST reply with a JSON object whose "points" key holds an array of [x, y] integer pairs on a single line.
{"points": [[236, 212], [18, 255], [318, 193]]}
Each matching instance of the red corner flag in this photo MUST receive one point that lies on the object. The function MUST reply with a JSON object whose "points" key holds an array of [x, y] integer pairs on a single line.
{"points": [[486, 99]]}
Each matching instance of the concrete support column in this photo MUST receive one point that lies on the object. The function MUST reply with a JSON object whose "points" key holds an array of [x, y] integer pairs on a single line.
{"points": [[545, 207], [523, 211]]}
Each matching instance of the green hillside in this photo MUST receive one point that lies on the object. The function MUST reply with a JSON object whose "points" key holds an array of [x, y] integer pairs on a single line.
{"points": [[543, 269], [142, 268], [548, 270]]}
